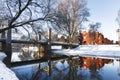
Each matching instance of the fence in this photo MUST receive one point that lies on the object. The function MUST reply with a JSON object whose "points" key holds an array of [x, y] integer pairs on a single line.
{"points": [[44, 48]]}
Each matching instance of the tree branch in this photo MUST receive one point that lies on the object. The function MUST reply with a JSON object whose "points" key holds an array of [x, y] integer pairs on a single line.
{"points": [[19, 13]]}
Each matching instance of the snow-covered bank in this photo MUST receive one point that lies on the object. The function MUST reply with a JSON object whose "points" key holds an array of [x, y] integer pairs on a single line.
{"points": [[6, 73], [107, 51]]}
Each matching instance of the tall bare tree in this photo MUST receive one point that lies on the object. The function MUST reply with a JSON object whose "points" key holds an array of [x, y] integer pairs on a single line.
{"points": [[93, 29], [24, 12], [118, 30], [69, 16]]}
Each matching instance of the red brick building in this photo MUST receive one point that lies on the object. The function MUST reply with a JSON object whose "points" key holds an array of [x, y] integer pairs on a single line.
{"points": [[85, 37], [97, 38]]}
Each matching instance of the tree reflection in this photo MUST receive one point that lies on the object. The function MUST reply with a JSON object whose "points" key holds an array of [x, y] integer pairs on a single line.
{"points": [[73, 68], [73, 65], [118, 67]]}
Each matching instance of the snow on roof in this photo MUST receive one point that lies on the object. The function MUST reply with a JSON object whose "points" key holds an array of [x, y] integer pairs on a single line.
{"points": [[6, 73], [2, 55], [107, 51]]}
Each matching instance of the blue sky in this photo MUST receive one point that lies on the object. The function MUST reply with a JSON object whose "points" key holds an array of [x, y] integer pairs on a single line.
{"points": [[105, 12]]}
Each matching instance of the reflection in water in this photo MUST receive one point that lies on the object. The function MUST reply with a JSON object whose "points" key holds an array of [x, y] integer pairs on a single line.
{"points": [[94, 65], [118, 67], [74, 68]]}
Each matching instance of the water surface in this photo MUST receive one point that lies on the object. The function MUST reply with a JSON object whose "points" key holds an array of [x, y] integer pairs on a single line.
{"points": [[75, 68]]}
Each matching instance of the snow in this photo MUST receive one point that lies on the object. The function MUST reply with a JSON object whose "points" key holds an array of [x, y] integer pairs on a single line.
{"points": [[103, 51], [30, 48], [6, 73], [56, 47], [2, 55], [15, 56]]}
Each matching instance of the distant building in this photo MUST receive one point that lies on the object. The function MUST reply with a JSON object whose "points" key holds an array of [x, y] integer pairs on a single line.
{"points": [[85, 37], [97, 38], [107, 41]]}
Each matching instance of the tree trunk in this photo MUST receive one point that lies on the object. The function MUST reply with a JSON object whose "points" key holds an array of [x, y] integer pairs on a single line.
{"points": [[8, 49]]}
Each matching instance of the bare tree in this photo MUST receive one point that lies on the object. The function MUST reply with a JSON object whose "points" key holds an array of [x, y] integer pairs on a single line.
{"points": [[24, 12], [69, 15], [118, 30], [118, 18], [93, 29]]}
